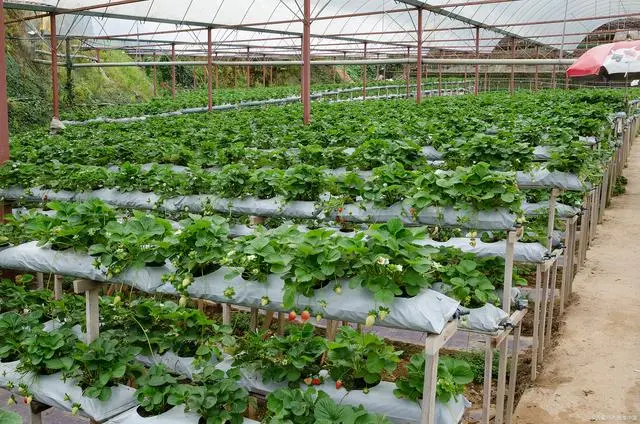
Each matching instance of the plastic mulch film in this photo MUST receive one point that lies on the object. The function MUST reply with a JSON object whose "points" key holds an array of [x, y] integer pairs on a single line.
{"points": [[522, 252], [178, 364], [9, 373], [30, 257], [543, 178], [52, 390], [429, 311]]}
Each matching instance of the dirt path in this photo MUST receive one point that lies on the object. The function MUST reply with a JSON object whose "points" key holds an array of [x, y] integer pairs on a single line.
{"points": [[594, 372]]}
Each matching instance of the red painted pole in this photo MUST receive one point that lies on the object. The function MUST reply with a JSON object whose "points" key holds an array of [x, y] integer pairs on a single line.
{"points": [[155, 77], [173, 70], [419, 61], [364, 75], [512, 82], [306, 63], [54, 67], [209, 71], [476, 85]]}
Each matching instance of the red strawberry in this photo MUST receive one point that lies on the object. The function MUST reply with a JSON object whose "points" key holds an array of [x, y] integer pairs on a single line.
{"points": [[338, 384], [305, 315], [316, 381], [292, 316]]}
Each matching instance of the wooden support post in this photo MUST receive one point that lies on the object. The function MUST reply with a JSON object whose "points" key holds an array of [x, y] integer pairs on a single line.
{"points": [[603, 196], [552, 302], [91, 290], [513, 374], [552, 218], [488, 375], [226, 314], [431, 351], [281, 321], [173, 70], [35, 411], [254, 319], [268, 319], [543, 313], [502, 381], [57, 287], [332, 328], [536, 324], [593, 214], [39, 281]]}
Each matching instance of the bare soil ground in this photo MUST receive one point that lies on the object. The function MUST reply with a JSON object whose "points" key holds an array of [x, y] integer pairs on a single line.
{"points": [[593, 373]]}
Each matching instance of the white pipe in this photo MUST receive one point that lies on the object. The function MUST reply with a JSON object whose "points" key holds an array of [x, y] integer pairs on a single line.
{"points": [[441, 61]]}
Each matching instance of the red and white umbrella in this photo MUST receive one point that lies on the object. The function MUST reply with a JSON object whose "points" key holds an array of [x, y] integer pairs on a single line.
{"points": [[620, 60]]}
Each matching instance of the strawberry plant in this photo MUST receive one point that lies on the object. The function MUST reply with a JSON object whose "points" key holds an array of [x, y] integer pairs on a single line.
{"points": [[102, 364], [156, 389], [453, 375], [282, 359], [136, 242], [45, 353], [295, 406], [14, 329], [358, 360]]}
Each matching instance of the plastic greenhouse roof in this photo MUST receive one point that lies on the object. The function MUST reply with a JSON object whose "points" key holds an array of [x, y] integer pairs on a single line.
{"points": [[274, 27]]}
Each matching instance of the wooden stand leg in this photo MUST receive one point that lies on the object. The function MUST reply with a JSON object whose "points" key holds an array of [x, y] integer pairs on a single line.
{"points": [[552, 301], [513, 374], [488, 374], [268, 319], [57, 287], [430, 383], [39, 281], [281, 321], [91, 290], [536, 324], [543, 314], [254, 319], [502, 382], [226, 314]]}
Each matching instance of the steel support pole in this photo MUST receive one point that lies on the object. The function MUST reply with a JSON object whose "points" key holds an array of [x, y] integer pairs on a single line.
{"points": [[173, 70], [535, 77], [195, 82], [306, 66], [4, 109], [209, 71], [54, 66], [248, 69], [364, 75], [408, 70], [476, 85], [419, 61], [155, 77], [97, 55]]}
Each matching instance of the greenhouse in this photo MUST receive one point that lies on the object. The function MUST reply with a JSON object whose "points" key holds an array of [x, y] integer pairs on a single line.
{"points": [[319, 211]]}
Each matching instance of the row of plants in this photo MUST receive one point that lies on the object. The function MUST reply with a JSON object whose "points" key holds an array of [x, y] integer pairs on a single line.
{"points": [[385, 258], [198, 98], [494, 128], [475, 187], [353, 360]]}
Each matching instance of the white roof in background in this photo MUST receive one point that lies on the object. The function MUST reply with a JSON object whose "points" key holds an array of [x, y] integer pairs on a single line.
{"points": [[274, 26]]}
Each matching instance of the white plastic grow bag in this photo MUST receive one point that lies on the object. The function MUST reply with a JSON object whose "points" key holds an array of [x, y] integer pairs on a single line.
{"points": [[52, 390], [379, 400], [176, 415]]}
